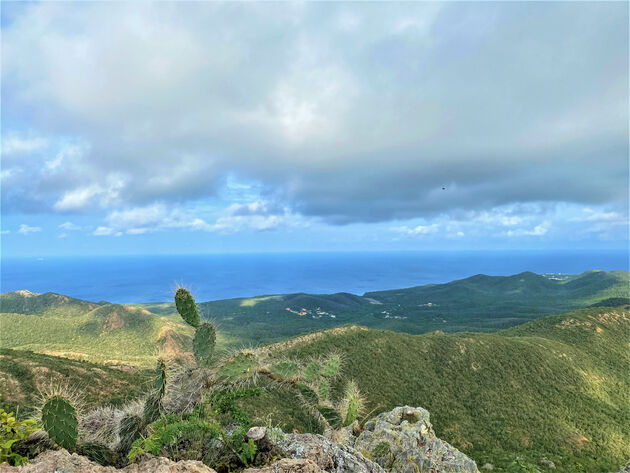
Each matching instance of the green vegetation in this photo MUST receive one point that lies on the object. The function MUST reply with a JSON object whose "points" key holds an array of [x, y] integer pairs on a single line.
{"points": [[13, 431], [558, 387], [59, 419], [479, 303], [111, 334], [24, 374]]}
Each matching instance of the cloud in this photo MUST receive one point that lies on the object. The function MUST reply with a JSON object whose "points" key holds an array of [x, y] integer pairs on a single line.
{"points": [[346, 113], [538, 230], [69, 226], [254, 216], [16, 143], [417, 230], [27, 229], [106, 231], [5, 232]]}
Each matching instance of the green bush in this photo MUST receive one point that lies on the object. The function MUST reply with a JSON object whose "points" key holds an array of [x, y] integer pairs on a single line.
{"points": [[12, 432]]}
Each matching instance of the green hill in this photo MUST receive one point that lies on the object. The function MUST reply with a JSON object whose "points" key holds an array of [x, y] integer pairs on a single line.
{"points": [[26, 302], [556, 388], [479, 303], [105, 333], [24, 374]]}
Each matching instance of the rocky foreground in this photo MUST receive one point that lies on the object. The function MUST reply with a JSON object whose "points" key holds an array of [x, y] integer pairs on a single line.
{"points": [[398, 441]]}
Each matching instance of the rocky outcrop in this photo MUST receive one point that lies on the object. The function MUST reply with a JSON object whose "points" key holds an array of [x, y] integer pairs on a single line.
{"points": [[60, 461], [325, 454], [403, 441], [398, 441], [288, 465]]}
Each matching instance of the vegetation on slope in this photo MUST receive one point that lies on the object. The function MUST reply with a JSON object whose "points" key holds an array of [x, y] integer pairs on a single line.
{"points": [[556, 388], [479, 303], [24, 374], [108, 333]]}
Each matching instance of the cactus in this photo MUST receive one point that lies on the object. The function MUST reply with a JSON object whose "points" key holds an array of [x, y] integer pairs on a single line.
{"points": [[130, 427], [331, 366], [59, 419], [310, 372], [97, 452], [323, 390], [240, 368], [186, 307], [286, 369], [351, 404], [153, 406], [205, 334], [203, 343]]}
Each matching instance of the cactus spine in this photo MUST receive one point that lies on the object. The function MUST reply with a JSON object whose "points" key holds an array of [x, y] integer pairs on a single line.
{"points": [[59, 419]]}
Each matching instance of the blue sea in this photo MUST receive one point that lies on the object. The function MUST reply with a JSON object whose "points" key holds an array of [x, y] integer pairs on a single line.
{"points": [[126, 279]]}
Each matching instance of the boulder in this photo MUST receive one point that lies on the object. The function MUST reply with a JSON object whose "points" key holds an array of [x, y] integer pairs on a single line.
{"points": [[288, 465], [402, 441], [325, 454], [60, 461]]}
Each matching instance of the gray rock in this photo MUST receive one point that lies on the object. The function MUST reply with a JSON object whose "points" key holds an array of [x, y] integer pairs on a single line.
{"points": [[60, 461], [325, 454], [402, 441]]}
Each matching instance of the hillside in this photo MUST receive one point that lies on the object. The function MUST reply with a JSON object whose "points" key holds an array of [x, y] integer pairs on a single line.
{"points": [[556, 388], [479, 303], [24, 374], [106, 333]]}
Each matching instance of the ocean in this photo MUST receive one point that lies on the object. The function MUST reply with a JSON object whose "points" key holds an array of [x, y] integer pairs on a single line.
{"points": [[126, 279]]}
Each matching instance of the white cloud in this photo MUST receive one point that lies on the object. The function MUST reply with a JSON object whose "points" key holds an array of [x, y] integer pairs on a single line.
{"points": [[15, 143], [27, 229], [418, 230], [103, 231], [69, 226], [96, 194], [5, 232], [538, 230]]}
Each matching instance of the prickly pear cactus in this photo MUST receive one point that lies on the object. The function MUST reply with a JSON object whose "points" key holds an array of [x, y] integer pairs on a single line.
{"points": [[331, 367], [59, 419], [286, 370], [351, 404], [186, 307], [203, 343], [310, 372]]}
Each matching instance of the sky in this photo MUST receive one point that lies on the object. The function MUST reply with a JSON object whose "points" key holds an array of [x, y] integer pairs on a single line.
{"points": [[193, 127]]}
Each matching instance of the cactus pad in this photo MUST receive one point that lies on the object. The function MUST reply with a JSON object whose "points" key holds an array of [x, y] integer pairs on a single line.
{"points": [[352, 404], [285, 370], [241, 367], [330, 368], [310, 373], [331, 415], [59, 419], [308, 395], [186, 307], [323, 390], [203, 343]]}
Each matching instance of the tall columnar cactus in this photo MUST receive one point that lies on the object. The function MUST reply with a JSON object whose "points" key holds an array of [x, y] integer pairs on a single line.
{"points": [[153, 406], [205, 333], [59, 419]]}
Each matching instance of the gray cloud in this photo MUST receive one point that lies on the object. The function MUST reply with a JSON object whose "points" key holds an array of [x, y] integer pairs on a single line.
{"points": [[349, 112]]}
